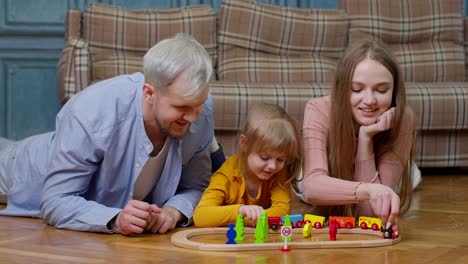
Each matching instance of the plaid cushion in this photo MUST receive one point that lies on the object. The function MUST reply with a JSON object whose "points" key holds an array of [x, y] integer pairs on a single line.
{"points": [[73, 24], [114, 32], [428, 35], [110, 63], [434, 148], [442, 148], [232, 99], [437, 61], [73, 69], [267, 43], [465, 45], [264, 67], [405, 21], [439, 106]]}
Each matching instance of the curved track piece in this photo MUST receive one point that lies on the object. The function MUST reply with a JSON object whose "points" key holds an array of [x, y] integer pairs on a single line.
{"points": [[182, 239]]}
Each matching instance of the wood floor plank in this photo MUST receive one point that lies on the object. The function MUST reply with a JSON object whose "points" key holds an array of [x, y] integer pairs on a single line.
{"points": [[434, 230]]}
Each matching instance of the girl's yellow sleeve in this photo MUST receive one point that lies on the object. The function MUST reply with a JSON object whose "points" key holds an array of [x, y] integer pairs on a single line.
{"points": [[280, 200], [216, 206]]}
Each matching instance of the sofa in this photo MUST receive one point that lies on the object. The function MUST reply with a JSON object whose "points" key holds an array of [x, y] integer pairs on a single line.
{"points": [[285, 55]]}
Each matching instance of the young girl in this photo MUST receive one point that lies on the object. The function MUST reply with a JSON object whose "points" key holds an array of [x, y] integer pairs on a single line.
{"points": [[358, 141], [257, 178]]}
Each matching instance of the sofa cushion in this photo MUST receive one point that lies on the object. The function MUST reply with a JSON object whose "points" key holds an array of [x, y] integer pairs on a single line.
{"points": [[233, 99], [432, 29], [440, 105], [73, 69], [405, 21], [264, 67], [465, 45], [110, 63], [441, 148], [436, 61], [267, 43], [440, 108], [114, 32]]}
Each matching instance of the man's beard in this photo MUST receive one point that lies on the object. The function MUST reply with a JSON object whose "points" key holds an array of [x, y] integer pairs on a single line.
{"points": [[167, 132]]}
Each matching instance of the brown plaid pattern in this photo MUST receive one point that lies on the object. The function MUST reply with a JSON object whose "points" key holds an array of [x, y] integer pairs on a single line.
{"points": [[434, 148], [267, 43], [282, 55], [73, 69], [439, 106], [405, 21], [437, 61], [465, 45], [442, 148], [233, 99], [108, 64], [73, 24], [265, 67], [428, 35], [118, 37]]}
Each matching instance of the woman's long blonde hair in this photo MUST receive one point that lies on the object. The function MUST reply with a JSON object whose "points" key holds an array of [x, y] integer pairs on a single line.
{"points": [[342, 134], [269, 128]]}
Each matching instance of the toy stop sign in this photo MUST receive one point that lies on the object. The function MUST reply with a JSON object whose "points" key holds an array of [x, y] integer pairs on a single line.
{"points": [[286, 231]]}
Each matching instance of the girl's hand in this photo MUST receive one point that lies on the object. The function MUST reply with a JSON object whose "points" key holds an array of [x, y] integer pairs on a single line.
{"points": [[384, 201], [384, 122], [252, 212]]}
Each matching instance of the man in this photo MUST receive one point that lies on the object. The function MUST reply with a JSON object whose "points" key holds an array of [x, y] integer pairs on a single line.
{"points": [[141, 143]]}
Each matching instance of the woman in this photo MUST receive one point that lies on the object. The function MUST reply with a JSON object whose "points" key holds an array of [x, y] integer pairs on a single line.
{"points": [[358, 142]]}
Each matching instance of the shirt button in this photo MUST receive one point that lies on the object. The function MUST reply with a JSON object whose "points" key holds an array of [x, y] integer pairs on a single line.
{"points": [[148, 146], [137, 165]]}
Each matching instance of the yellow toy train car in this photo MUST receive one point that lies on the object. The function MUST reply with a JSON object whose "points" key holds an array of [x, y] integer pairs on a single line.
{"points": [[373, 223], [315, 220]]}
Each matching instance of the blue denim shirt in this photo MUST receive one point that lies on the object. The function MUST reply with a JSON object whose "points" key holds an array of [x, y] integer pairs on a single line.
{"points": [[87, 168]]}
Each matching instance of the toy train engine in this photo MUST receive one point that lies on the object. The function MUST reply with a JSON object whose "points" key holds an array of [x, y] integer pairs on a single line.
{"points": [[274, 222]]}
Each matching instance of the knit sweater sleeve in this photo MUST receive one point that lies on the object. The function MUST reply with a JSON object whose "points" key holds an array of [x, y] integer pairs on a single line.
{"points": [[319, 188], [212, 210]]}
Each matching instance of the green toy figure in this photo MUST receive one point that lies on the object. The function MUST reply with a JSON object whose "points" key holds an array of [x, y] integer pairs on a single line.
{"points": [[259, 232], [287, 222], [239, 228], [264, 218]]}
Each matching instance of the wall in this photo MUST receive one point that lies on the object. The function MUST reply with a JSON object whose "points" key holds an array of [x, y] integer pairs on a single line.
{"points": [[31, 38]]}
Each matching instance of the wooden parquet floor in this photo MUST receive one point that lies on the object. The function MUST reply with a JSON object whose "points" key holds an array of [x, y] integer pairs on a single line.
{"points": [[435, 230]]}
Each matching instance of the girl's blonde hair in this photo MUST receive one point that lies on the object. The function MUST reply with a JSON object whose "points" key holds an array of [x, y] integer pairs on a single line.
{"points": [[270, 128], [342, 134]]}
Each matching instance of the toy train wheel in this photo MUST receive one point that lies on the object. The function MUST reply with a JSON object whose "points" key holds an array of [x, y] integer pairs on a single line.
{"points": [[318, 225], [274, 226], [364, 225], [348, 225], [375, 227], [298, 224]]}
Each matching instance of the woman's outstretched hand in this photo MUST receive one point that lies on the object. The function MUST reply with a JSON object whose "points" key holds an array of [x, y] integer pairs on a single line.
{"points": [[384, 202]]}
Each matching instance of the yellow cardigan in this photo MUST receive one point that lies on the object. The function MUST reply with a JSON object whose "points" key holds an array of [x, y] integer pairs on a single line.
{"points": [[220, 203]]}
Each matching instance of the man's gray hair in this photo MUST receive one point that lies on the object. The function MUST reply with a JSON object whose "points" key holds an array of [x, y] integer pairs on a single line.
{"points": [[175, 56]]}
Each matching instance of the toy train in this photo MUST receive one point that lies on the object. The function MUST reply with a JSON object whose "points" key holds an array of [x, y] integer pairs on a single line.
{"points": [[318, 222]]}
